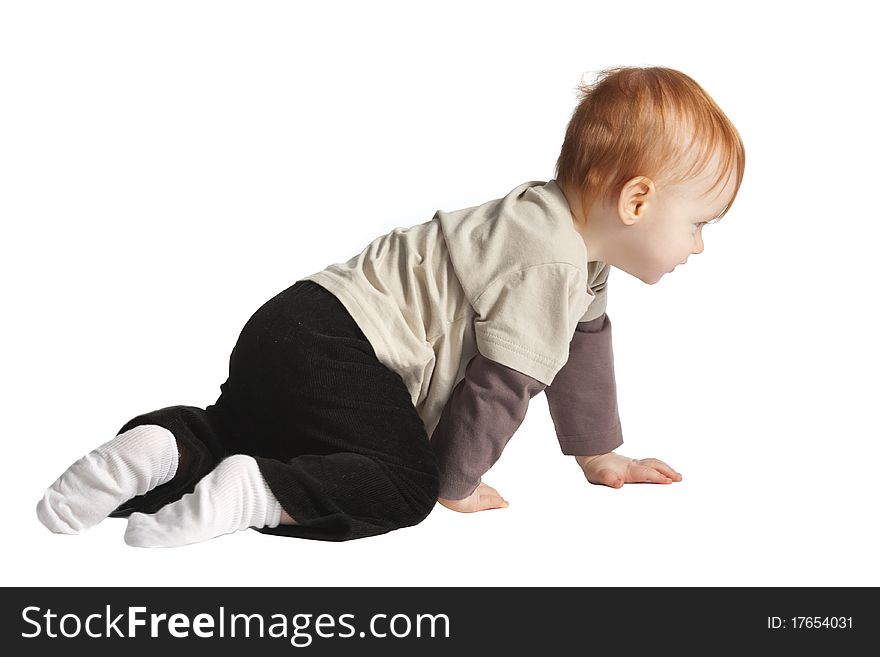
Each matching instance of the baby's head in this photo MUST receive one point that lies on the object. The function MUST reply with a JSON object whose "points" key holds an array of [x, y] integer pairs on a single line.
{"points": [[653, 159]]}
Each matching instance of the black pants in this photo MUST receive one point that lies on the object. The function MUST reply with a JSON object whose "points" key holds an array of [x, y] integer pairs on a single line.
{"points": [[333, 430]]}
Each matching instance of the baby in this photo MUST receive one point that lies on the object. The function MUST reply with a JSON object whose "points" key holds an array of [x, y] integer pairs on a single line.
{"points": [[367, 392]]}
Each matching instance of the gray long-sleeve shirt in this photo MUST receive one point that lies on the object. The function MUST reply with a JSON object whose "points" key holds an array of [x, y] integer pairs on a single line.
{"points": [[488, 405]]}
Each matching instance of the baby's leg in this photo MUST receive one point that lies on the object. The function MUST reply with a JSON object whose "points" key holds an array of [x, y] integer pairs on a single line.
{"points": [[154, 459], [334, 497], [348, 495], [234, 496]]}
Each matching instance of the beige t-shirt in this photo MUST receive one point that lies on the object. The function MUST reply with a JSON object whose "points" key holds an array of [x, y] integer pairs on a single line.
{"points": [[509, 278]]}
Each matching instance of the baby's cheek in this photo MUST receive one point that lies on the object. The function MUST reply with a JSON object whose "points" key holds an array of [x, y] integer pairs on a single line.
{"points": [[659, 262]]}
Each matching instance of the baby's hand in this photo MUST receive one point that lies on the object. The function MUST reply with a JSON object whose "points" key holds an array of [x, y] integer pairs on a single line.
{"points": [[615, 470], [484, 497]]}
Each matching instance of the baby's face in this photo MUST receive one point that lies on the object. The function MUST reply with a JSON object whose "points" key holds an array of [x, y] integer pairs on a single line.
{"points": [[669, 228]]}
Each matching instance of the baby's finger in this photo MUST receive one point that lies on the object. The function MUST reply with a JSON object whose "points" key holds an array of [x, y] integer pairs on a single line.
{"points": [[639, 473], [490, 498], [492, 501], [657, 464]]}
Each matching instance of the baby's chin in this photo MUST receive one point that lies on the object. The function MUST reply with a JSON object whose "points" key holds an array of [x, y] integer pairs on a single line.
{"points": [[657, 277], [651, 280]]}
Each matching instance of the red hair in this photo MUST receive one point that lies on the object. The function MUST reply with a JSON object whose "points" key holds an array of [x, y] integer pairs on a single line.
{"points": [[650, 121]]}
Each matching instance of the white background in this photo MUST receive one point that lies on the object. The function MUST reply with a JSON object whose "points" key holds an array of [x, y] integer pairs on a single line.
{"points": [[167, 167]]}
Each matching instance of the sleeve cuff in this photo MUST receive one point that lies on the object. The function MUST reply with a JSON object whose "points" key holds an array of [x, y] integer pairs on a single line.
{"points": [[451, 490], [589, 444]]}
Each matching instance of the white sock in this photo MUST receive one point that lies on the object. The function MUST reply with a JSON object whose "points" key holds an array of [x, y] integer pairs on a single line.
{"points": [[232, 497], [134, 462]]}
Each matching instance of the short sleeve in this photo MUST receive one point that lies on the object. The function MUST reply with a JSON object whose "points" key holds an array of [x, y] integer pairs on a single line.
{"points": [[525, 319], [599, 288]]}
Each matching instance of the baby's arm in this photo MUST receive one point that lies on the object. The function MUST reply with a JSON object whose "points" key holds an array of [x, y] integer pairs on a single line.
{"points": [[484, 411], [583, 395], [583, 405]]}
